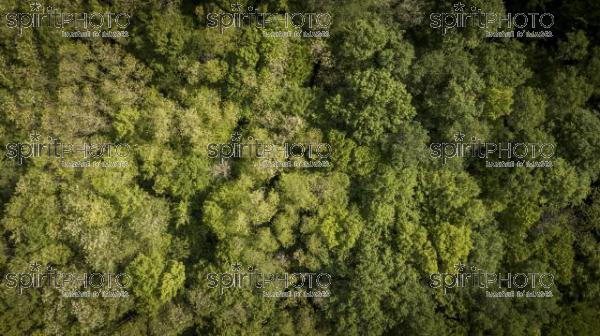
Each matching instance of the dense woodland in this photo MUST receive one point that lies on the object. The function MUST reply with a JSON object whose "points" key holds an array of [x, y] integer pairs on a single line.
{"points": [[380, 219]]}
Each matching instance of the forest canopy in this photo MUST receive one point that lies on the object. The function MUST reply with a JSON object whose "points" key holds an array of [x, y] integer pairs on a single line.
{"points": [[390, 152]]}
